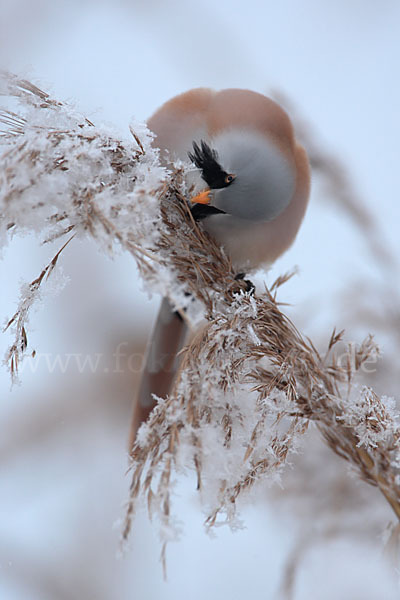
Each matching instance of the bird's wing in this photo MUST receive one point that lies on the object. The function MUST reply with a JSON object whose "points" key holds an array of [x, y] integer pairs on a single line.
{"points": [[180, 121], [161, 364]]}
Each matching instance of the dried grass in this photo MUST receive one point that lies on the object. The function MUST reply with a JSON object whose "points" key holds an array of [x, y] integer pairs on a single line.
{"points": [[249, 382], [243, 333]]}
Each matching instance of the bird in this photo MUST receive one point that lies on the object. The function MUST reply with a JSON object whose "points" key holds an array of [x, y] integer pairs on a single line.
{"points": [[251, 190]]}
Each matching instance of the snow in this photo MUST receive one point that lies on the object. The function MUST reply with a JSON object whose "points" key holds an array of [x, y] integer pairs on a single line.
{"points": [[337, 62]]}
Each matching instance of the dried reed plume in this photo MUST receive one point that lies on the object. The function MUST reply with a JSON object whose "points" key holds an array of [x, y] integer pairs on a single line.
{"points": [[249, 383]]}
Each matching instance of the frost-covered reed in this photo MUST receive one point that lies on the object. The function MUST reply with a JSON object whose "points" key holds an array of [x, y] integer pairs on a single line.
{"points": [[249, 382]]}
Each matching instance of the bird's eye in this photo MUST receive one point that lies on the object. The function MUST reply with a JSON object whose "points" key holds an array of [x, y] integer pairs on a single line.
{"points": [[229, 178]]}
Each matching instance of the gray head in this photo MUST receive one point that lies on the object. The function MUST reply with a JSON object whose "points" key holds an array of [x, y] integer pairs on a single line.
{"points": [[248, 175]]}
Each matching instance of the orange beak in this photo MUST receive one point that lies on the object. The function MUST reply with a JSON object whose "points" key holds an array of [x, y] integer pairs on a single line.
{"points": [[202, 198]]}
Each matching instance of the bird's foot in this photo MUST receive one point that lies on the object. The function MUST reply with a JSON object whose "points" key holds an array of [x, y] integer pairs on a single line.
{"points": [[250, 287]]}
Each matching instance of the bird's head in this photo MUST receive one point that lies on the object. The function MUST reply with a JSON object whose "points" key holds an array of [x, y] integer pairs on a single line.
{"points": [[246, 174], [206, 159]]}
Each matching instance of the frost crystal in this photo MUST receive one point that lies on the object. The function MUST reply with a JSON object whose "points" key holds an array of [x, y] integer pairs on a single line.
{"points": [[249, 383]]}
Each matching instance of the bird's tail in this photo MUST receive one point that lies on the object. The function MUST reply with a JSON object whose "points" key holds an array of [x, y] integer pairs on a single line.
{"points": [[161, 364]]}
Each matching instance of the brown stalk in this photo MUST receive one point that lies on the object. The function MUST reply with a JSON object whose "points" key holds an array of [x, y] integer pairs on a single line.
{"points": [[317, 387], [251, 347]]}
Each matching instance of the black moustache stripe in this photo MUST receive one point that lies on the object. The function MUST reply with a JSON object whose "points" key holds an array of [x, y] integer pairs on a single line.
{"points": [[202, 211], [206, 159]]}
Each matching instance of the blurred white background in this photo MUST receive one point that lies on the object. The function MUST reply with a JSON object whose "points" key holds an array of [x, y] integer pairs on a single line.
{"points": [[63, 443]]}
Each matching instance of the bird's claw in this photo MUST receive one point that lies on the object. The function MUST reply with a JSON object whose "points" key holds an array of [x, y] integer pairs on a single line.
{"points": [[250, 287]]}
